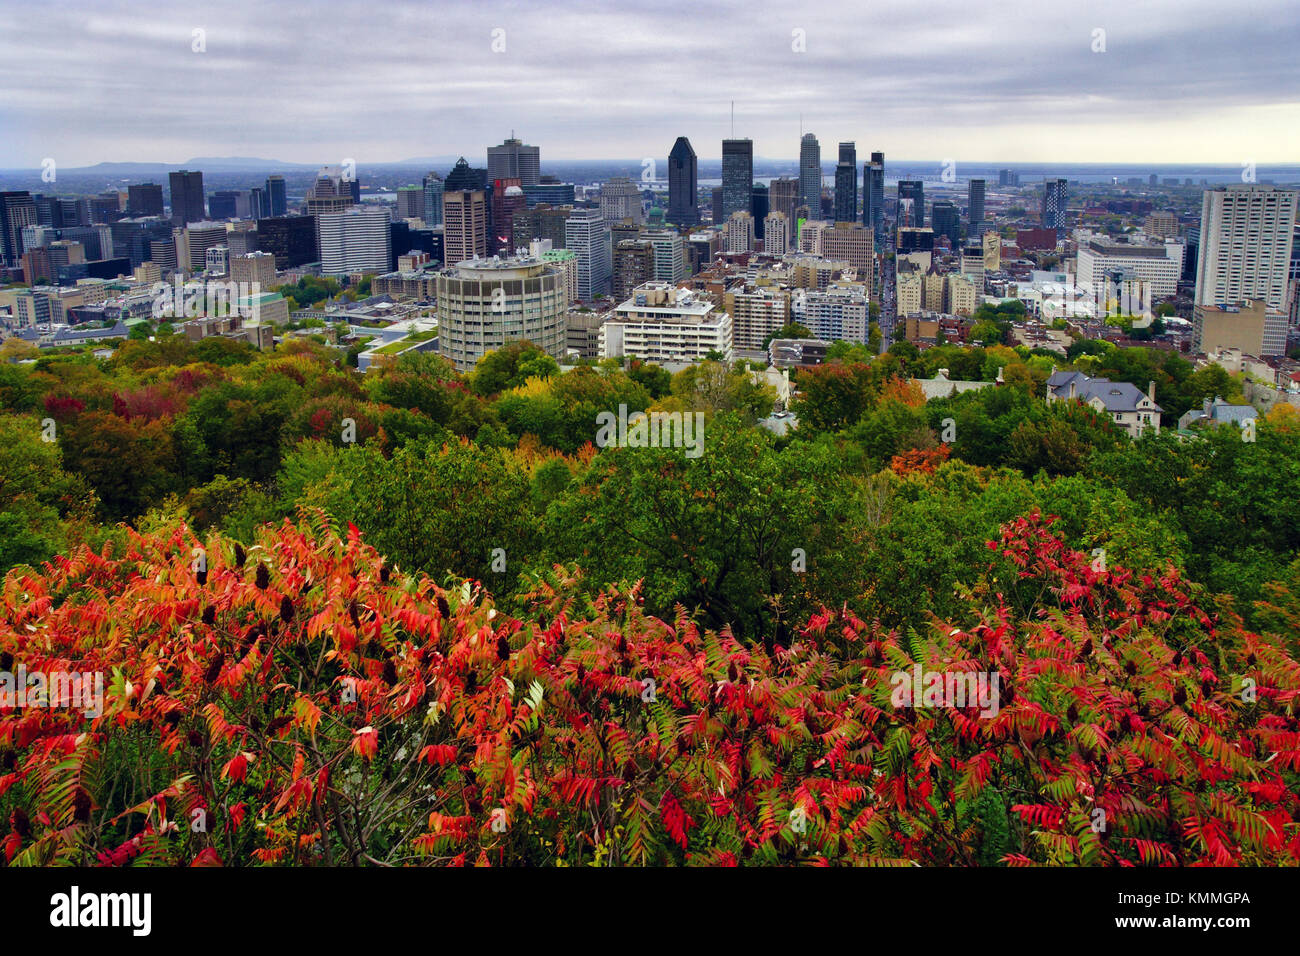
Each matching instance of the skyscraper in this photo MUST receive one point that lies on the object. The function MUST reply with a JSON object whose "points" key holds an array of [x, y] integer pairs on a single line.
{"points": [[1245, 245], [846, 184], [1054, 204], [975, 206], [737, 175], [586, 235], [620, 199], [944, 218], [465, 216], [513, 160], [17, 211], [913, 189], [275, 196], [810, 172], [432, 184], [144, 199], [187, 197], [759, 204], [683, 184], [873, 195], [783, 197]]}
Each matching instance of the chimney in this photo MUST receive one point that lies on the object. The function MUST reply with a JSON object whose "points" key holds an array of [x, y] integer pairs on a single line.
{"points": [[1151, 392], [1071, 389]]}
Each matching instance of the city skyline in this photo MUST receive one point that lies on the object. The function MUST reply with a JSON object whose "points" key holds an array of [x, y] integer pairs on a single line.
{"points": [[1006, 82]]}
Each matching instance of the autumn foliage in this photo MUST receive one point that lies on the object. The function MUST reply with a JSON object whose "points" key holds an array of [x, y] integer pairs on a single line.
{"points": [[299, 702]]}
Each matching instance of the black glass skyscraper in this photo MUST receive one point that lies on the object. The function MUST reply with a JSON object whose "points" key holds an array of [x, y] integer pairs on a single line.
{"points": [[975, 207], [683, 184], [873, 195], [275, 195], [846, 184], [913, 189], [759, 207], [737, 176]]}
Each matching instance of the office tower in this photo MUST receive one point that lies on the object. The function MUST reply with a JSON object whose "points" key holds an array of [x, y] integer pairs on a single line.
{"points": [[355, 240], [776, 233], [670, 254], [873, 195], [432, 184], [1054, 204], [586, 235], [1008, 177], [1161, 224], [259, 203], [276, 198], [810, 172], [945, 220], [634, 263], [740, 232], [737, 175], [716, 206], [187, 197], [17, 211], [851, 242], [410, 203], [291, 239], [846, 184], [913, 189], [759, 205], [683, 184], [464, 221], [221, 204], [1245, 245], [484, 305], [144, 199], [133, 238], [783, 197], [507, 201], [621, 199], [513, 160], [104, 208], [550, 191], [193, 242], [975, 206]]}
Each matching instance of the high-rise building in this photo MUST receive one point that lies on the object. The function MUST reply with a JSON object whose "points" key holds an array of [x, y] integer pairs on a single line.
{"points": [[187, 197], [485, 304], [945, 220], [355, 240], [975, 206], [851, 242], [17, 211], [432, 185], [683, 184], [1008, 177], [410, 203], [621, 199], [464, 220], [776, 233], [193, 242], [1054, 204], [507, 201], [783, 197], [670, 254], [221, 204], [514, 160], [846, 184], [1250, 326], [913, 189], [873, 195], [634, 263], [254, 268], [810, 172], [291, 239], [276, 198], [1245, 245], [715, 206], [661, 323], [740, 232], [586, 235], [760, 203], [144, 199], [737, 176]]}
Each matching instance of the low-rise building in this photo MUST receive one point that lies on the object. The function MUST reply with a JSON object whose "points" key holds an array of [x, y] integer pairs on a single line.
{"points": [[1122, 402]]}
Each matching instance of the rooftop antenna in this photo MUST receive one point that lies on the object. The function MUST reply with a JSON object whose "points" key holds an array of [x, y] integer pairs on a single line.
{"points": [[733, 119]]}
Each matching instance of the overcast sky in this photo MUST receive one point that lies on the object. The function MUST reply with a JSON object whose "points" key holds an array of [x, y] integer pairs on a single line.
{"points": [[998, 80]]}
